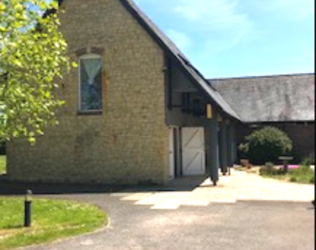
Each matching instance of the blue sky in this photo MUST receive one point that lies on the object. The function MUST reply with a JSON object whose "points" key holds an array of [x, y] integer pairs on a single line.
{"points": [[233, 38]]}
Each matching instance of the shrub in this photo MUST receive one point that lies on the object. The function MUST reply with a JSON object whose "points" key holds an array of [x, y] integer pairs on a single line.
{"points": [[293, 179], [312, 179], [269, 169], [308, 162], [267, 144]]}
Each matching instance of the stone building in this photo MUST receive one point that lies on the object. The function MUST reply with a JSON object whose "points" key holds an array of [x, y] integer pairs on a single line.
{"points": [[137, 111]]}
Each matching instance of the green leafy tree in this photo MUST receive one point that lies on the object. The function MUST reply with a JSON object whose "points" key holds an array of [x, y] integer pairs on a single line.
{"points": [[266, 145], [32, 60]]}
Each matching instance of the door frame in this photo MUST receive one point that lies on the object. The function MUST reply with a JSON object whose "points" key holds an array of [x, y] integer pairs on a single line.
{"points": [[174, 152]]}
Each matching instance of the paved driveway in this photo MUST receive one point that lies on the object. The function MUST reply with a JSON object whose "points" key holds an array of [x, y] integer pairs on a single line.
{"points": [[240, 186], [239, 226], [245, 212]]}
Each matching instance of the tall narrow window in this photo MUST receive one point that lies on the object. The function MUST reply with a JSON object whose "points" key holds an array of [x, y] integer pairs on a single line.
{"points": [[90, 83]]}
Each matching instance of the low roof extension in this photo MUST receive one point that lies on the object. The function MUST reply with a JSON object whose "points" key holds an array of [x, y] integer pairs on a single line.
{"points": [[280, 98]]}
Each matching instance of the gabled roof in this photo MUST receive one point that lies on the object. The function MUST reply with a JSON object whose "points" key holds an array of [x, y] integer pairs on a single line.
{"points": [[168, 46], [284, 98]]}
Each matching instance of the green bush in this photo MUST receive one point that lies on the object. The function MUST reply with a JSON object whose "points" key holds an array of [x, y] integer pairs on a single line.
{"points": [[267, 144], [308, 162], [312, 179], [293, 179], [270, 170], [266, 170]]}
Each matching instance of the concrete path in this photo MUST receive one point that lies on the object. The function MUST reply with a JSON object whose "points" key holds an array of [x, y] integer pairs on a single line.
{"points": [[240, 186]]}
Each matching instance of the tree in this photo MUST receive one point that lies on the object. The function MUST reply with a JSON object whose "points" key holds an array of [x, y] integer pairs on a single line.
{"points": [[32, 61], [266, 145]]}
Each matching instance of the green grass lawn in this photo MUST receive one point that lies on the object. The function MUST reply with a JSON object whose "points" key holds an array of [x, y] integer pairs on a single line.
{"points": [[52, 220], [302, 175], [2, 164]]}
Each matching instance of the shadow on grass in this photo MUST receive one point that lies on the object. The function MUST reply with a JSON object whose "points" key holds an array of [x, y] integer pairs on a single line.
{"points": [[13, 227]]}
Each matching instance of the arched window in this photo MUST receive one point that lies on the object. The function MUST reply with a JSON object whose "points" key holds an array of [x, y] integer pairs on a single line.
{"points": [[90, 97]]}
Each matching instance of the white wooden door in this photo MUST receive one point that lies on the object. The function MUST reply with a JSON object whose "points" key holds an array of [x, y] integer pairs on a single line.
{"points": [[193, 151]]}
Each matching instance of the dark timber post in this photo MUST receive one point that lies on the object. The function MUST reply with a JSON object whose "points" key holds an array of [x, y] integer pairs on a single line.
{"points": [[235, 146], [214, 154], [230, 145], [223, 147]]}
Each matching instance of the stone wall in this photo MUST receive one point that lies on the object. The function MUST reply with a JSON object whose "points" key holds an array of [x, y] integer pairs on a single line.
{"points": [[128, 142]]}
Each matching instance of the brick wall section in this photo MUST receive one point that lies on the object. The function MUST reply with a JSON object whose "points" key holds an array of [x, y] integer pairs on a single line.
{"points": [[128, 143]]}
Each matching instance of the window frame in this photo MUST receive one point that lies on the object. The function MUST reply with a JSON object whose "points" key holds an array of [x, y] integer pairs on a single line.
{"points": [[80, 110]]}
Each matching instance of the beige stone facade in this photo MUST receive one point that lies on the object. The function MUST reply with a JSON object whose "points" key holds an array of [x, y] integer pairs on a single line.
{"points": [[128, 142]]}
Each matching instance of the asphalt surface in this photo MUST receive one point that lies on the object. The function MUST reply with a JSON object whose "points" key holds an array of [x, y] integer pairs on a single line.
{"points": [[240, 226]]}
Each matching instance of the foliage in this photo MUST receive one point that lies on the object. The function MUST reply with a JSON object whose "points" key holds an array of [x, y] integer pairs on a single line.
{"points": [[304, 174], [269, 169], [32, 60], [308, 162], [265, 145], [2, 165], [51, 220], [269, 165]]}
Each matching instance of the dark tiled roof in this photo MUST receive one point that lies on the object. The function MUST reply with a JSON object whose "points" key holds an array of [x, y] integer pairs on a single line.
{"points": [[172, 50], [287, 98]]}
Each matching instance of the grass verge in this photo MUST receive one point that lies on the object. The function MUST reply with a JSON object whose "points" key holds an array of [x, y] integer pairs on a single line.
{"points": [[52, 220], [2, 164], [302, 175]]}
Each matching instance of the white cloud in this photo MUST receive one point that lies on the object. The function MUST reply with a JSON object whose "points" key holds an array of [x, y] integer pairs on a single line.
{"points": [[180, 39], [218, 22], [202, 29], [214, 14]]}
